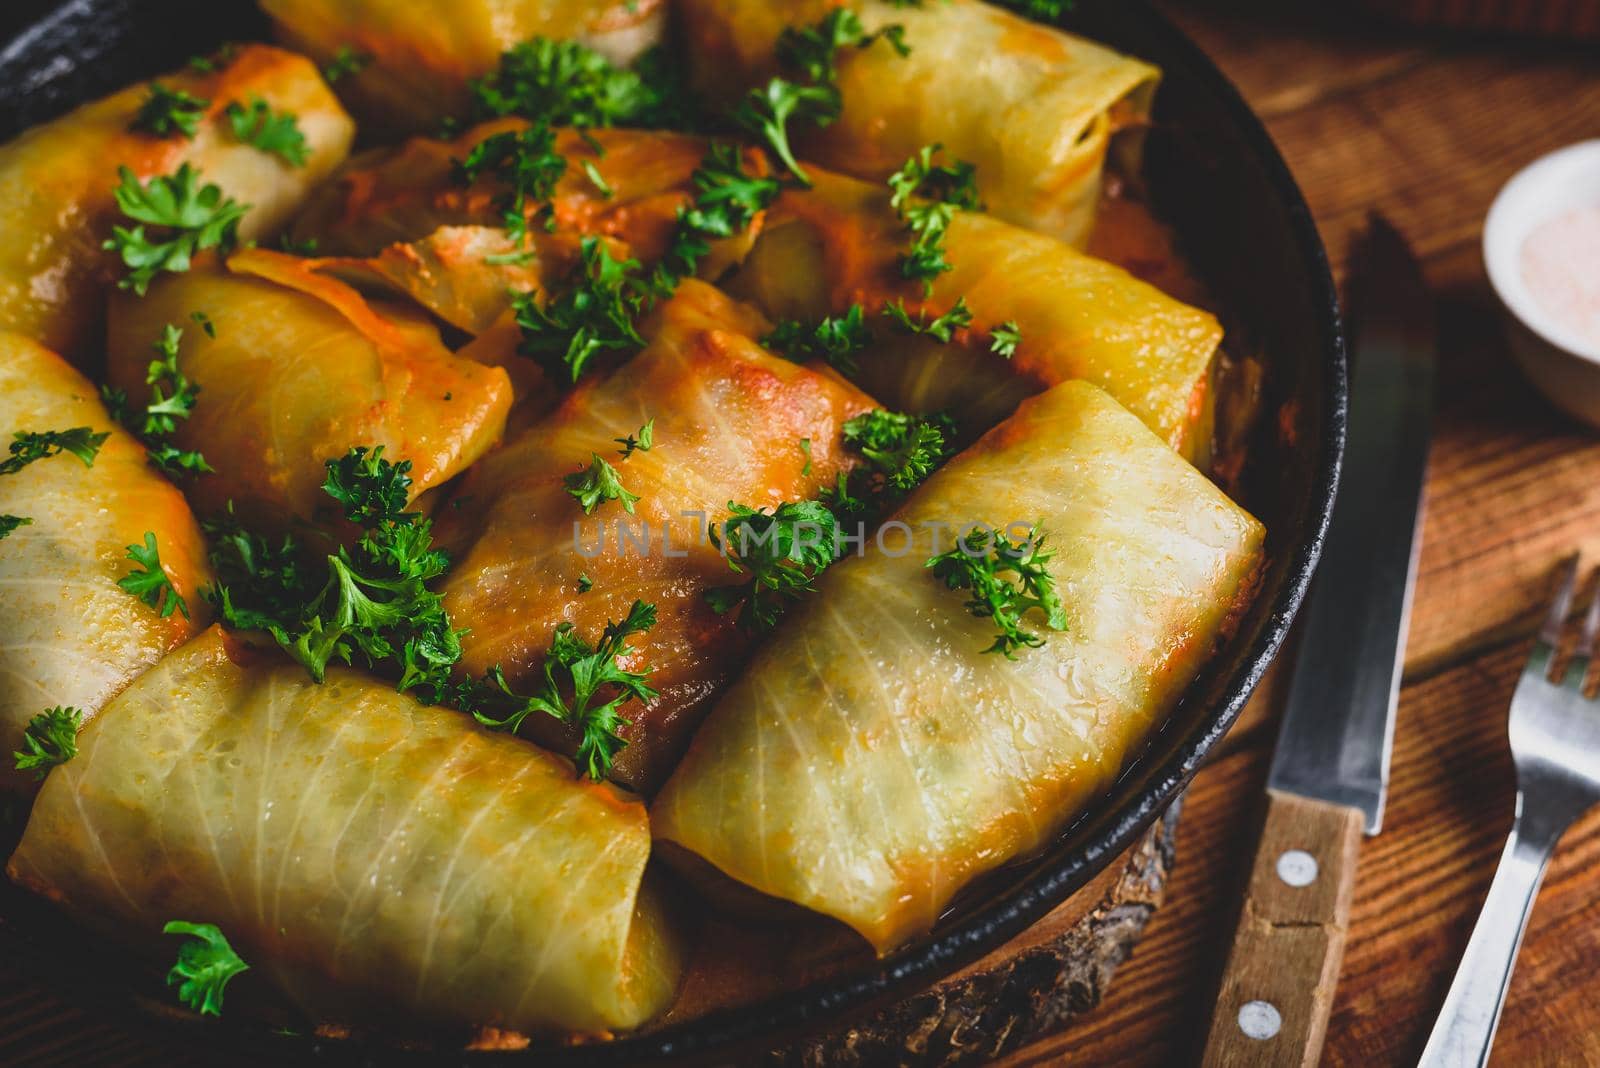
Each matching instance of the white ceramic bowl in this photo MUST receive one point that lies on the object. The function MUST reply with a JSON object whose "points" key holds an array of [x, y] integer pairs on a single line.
{"points": [[1564, 366]]}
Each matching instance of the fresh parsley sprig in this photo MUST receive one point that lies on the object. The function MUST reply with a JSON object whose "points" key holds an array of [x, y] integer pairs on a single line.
{"points": [[192, 217], [834, 338], [727, 201], [526, 162], [901, 450], [597, 484], [942, 328], [277, 133], [926, 196], [641, 440], [597, 313], [345, 63], [30, 446], [783, 551], [49, 739], [565, 83], [574, 666], [149, 580], [205, 965], [1007, 580], [169, 111]]}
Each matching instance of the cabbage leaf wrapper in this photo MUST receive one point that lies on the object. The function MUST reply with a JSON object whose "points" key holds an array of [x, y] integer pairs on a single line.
{"points": [[72, 636], [56, 182], [1035, 109], [874, 759], [373, 857], [420, 54], [839, 243], [729, 422], [301, 369], [403, 193]]}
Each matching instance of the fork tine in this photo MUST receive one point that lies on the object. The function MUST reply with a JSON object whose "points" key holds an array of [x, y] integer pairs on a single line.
{"points": [[1555, 620], [1591, 626]]}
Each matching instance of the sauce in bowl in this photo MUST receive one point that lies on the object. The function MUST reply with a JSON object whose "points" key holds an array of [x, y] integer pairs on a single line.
{"points": [[1561, 269]]}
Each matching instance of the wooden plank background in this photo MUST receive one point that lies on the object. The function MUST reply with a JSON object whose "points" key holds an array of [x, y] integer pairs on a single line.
{"points": [[1425, 127]]}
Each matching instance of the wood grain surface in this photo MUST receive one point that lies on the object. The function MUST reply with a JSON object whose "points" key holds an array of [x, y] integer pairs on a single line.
{"points": [[1425, 127]]}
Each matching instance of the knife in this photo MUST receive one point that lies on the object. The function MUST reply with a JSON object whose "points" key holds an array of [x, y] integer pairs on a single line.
{"points": [[1330, 772]]}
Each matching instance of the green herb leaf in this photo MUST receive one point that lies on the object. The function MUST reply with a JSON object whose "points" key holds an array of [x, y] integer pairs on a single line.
{"points": [[1007, 580], [1047, 10], [597, 484], [149, 582], [926, 196], [767, 111], [204, 966], [276, 133], [50, 738], [783, 551], [595, 314], [586, 672], [28, 446], [585, 583], [526, 161], [726, 203], [169, 111], [195, 218], [942, 328], [172, 400], [564, 83], [345, 62], [9, 523], [642, 440], [835, 338], [1004, 339]]}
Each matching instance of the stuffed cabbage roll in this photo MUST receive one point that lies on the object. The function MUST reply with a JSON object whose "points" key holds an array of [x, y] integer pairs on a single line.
{"points": [[874, 758], [72, 636], [1035, 109], [1080, 318], [420, 54], [404, 193], [296, 368], [372, 856], [56, 182], [732, 423]]}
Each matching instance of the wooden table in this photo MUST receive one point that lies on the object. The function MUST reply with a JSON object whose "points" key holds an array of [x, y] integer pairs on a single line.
{"points": [[1426, 128]]}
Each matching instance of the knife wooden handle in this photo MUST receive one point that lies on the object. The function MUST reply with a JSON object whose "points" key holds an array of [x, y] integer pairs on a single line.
{"points": [[1278, 988]]}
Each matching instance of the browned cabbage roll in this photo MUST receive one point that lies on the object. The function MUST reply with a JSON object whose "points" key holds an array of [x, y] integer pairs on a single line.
{"points": [[72, 636], [371, 856], [56, 182], [301, 369], [874, 759], [403, 194], [1033, 108], [422, 53], [1080, 318], [729, 423]]}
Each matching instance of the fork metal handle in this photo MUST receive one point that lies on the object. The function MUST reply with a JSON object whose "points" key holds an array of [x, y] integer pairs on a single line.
{"points": [[1464, 1033]]}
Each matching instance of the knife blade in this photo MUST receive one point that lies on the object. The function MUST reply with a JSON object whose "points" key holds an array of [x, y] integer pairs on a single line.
{"points": [[1338, 720], [1330, 772]]}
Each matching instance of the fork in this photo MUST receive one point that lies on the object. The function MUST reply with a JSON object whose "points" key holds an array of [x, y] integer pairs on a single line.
{"points": [[1555, 744]]}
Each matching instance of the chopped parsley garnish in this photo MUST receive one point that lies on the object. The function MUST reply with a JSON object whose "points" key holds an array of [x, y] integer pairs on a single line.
{"points": [[597, 484], [1039, 9], [574, 666], [926, 196], [172, 399], [49, 739], [149, 582], [942, 328], [835, 338], [1006, 580], [1004, 339], [345, 62], [726, 203], [564, 83], [595, 314], [195, 217], [28, 446], [277, 133], [585, 583], [527, 162], [169, 111], [9, 524], [641, 440], [218, 60], [783, 551], [369, 603], [901, 451], [205, 964], [811, 52]]}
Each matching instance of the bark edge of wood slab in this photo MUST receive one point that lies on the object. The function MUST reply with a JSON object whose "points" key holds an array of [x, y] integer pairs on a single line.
{"points": [[1032, 986]]}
